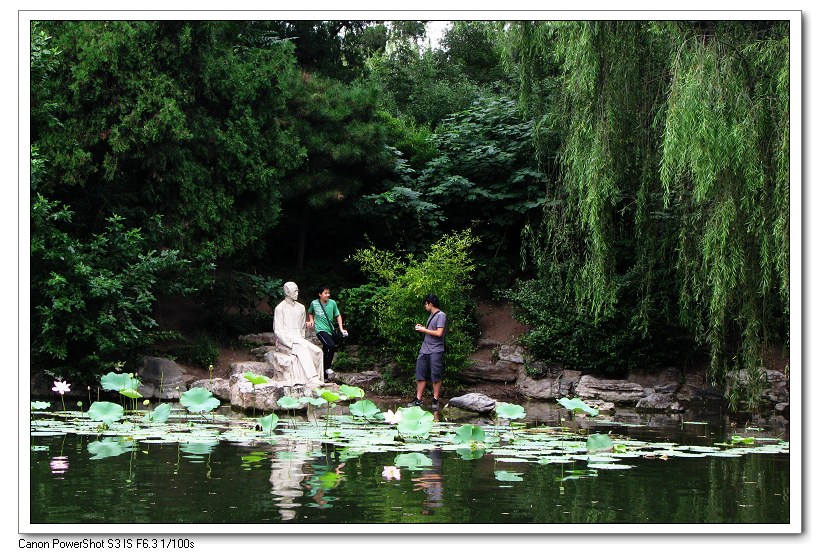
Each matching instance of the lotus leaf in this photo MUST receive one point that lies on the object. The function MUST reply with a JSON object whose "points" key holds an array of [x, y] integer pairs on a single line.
{"points": [[468, 433], [328, 395], [255, 379], [107, 412], [109, 447], [130, 393], [198, 448], [599, 443], [508, 476], [737, 439], [317, 402], [288, 402], [413, 460], [364, 408], [351, 392], [577, 405], [470, 453], [268, 422], [415, 422], [119, 381], [199, 400], [40, 405], [160, 414], [509, 411]]}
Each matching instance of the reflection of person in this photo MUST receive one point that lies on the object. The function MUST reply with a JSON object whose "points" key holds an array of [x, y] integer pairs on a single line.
{"points": [[430, 363], [321, 313], [431, 482], [289, 328]]}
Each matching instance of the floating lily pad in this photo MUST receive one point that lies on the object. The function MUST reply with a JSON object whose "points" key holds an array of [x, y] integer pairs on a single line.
{"points": [[36, 405], [109, 447], [501, 475], [107, 412], [413, 460]]}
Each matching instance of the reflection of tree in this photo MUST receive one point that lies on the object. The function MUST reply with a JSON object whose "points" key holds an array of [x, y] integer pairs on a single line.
{"points": [[431, 482]]}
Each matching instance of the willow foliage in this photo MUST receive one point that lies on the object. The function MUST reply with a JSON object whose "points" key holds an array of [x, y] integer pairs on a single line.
{"points": [[671, 194]]}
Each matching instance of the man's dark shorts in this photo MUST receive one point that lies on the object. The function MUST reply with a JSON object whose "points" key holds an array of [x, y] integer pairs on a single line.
{"points": [[429, 367]]}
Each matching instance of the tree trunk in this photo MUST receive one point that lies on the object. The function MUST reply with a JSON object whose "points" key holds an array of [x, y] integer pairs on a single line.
{"points": [[300, 256]]}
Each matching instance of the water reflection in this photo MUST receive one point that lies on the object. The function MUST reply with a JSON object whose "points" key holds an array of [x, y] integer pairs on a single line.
{"points": [[59, 464], [431, 482], [288, 472]]}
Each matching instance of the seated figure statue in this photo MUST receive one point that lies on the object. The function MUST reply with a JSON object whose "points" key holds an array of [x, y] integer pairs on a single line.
{"points": [[289, 328]]}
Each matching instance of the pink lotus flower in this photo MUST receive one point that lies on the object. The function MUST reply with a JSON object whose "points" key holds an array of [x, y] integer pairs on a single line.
{"points": [[391, 472], [61, 386], [392, 418]]}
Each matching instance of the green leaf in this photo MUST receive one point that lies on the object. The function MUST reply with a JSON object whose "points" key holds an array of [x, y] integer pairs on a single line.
{"points": [[268, 423], [255, 379], [599, 443], [109, 447], [364, 408], [501, 475], [119, 381], [107, 412], [160, 414], [317, 402], [468, 433], [415, 422], [199, 400], [288, 403], [36, 405], [328, 395], [470, 453], [351, 392], [413, 460], [130, 393], [577, 405], [509, 411]]}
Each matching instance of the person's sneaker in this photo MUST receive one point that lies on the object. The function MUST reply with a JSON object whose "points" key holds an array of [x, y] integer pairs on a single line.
{"points": [[415, 402], [329, 374], [434, 405]]}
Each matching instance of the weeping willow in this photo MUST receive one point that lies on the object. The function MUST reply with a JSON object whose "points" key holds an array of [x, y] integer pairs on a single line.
{"points": [[670, 157]]}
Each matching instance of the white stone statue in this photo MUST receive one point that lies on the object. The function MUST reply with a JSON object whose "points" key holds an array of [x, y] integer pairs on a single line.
{"points": [[289, 328]]}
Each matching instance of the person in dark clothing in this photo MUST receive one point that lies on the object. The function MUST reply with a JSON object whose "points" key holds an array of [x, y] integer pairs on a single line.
{"points": [[430, 362]]}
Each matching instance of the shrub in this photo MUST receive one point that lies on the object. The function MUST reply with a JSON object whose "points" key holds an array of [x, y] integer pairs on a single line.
{"points": [[446, 270]]}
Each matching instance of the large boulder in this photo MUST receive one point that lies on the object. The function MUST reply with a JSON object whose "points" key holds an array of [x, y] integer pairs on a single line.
{"points": [[363, 379], [473, 402], [511, 353], [162, 379], [548, 388], [659, 402], [245, 396], [618, 391], [260, 339], [501, 372], [221, 388]]}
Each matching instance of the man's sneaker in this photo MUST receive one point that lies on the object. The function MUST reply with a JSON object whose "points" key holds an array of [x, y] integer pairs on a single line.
{"points": [[434, 405], [329, 374], [415, 402]]}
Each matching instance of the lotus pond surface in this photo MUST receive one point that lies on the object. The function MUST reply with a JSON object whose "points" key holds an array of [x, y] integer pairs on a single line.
{"points": [[228, 468]]}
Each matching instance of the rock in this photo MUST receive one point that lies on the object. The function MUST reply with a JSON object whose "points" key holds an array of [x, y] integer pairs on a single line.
{"points": [[508, 353], [363, 379], [670, 388], [603, 407], [259, 338], [473, 402], [549, 388], [221, 388], [162, 379], [260, 351], [488, 343], [612, 390], [782, 408], [264, 397], [503, 372], [659, 402], [259, 368]]}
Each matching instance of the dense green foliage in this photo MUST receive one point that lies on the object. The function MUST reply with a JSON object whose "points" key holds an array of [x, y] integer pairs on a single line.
{"points": [[632, 177], [445, 270], [673, 189]]}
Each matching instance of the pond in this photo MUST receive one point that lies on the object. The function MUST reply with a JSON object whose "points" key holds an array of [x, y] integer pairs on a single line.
{"points": [[222, 469]]}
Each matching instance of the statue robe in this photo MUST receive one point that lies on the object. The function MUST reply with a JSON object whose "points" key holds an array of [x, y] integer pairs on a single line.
{"points": [[289, 328]]}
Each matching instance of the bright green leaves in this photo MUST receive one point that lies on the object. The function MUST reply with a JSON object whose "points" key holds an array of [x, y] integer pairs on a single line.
{"points": [[468, 433], [289, 403], [119, 382], [107, 412], [199, 400], [576, 405], [255, 379], [415, 422], [364, 408], [160, 414], [268, 422], [351, 392], [328, 395], [505, 410], [599, 443]]}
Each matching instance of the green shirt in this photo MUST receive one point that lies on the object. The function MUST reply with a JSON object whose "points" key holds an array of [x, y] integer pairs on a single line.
{"points": [[320, 320]]}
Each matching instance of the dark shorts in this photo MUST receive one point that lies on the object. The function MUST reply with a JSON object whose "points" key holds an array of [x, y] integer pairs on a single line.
{"points": [[429, 367]]}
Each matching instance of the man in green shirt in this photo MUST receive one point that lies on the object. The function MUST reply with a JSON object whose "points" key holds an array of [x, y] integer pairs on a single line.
{"points": [[320, 315]]}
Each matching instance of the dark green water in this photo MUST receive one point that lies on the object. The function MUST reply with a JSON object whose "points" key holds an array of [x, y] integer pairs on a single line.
{"points": [[309, 483]]}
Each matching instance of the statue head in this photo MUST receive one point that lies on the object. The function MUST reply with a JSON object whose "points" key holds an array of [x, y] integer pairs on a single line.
{"points": [[291, 290]]}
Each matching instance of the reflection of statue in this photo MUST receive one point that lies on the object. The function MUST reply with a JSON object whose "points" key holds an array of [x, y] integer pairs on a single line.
{"points": [[289, 328]]}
